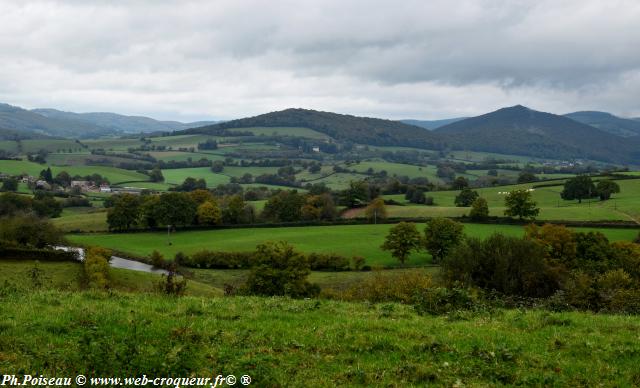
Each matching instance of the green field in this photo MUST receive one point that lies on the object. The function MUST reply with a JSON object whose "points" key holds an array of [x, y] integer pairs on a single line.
{"points": [[177, 176], [623, 206], [115, 175], [67, 276], [346, 240], [82, 219], [312, 343]]}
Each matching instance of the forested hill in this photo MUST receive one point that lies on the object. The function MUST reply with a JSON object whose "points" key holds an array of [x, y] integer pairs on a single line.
{"points": [[363, 130], [522, 131], [607, 122]]}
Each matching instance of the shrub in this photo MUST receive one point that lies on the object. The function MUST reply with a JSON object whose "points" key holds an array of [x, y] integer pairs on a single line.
{"points": [[171, 284], [218, 260], [441, 300], [357, 262], [280, 270], [627, 256], [386, 287], [328, 262], [509, 265], [30, 231], [157, 260], [96, 268]]}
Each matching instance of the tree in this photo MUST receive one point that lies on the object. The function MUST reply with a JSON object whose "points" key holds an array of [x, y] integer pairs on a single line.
{"points": [[376, 210], [30, 230], [233, 210], [527, 177], [579, 188], [280, 270], [401, 240], [466, 197], [175, 209], [46, 175], [217, 166], [10, 184], [156, 175], [558, 241], [519, 204], [442, 234], [191, 184], [63, 179], [319, 207], [460, 183], [605, 188], [479, 209], [201, 196], [356, 194], [286, 206], [209, 213], [124, 213]]}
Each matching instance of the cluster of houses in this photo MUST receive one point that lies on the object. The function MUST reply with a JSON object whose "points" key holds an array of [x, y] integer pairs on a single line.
{"points": [[83, 186]]}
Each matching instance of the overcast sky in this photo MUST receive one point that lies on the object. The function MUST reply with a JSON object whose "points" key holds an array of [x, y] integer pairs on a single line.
{"points": [[190, 60]]}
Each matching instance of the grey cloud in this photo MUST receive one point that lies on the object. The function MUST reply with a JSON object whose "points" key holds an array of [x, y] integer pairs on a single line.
{"points": [[423, 59]]}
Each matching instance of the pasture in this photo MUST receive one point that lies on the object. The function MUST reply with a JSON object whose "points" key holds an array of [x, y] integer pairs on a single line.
{"points": [[313, 343], [623, 206], [115, 175], [346, 240]]}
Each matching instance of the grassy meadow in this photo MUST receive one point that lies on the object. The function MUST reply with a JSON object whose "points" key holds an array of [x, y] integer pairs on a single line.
{"points": [[312, 343], [346, 240]]}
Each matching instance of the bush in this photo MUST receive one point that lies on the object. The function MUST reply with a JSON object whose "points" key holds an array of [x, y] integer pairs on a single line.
{"points": [[280, 270], [328, 262], [509, 265], [171, 284], [29, 231], [217, 260], [441, 300], [358, 262], [96, 268], [157, 260], [8, 252], [385, 287]]}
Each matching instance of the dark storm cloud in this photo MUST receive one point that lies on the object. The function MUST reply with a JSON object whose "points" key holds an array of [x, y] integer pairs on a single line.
{"points": [[398, 59]]}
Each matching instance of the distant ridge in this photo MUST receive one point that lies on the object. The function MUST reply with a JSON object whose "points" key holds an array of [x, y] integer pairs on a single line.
{"points": [[120, 123], [519, 130], [432, 124], [363, 130], [607, 122]]}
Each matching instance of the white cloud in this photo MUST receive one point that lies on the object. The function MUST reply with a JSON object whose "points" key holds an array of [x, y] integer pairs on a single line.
{"points": [[409, 59]]}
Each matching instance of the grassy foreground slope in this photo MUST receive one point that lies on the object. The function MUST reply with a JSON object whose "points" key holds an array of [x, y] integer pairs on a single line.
{"points": [[283, 342], [67, 276], [346, 240]]}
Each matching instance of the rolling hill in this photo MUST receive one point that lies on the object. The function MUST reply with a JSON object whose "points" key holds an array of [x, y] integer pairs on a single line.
{"points": [[363, 130], [120, 123], [20, 120], [16, 122], [432, 124], [607, 122], [523, 131]]}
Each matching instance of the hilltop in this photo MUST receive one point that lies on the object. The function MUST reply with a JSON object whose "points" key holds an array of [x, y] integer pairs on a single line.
{"points": [[519, 130], [363, 130]]}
